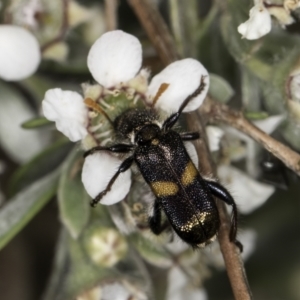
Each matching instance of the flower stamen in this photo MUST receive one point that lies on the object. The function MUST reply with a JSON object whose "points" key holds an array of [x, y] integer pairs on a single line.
{"points": [[96, 107], [104, 142], [103, 134], [94, 128], [160, 91], [136, 99], [106, 105]]}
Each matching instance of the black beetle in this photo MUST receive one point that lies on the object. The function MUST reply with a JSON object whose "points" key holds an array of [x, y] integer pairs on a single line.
{"points": [[180, 191]]}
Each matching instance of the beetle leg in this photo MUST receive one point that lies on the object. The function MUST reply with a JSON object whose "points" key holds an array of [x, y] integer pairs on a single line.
{"points": [[221, 193], [190, 136], [155, 220], [118, 148], [170, 122], [126, 164]]}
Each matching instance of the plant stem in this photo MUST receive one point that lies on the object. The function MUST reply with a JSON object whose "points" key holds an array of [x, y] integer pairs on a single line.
{"points": [[160, 36], [222, 113], [156, 29], [111, 14]]}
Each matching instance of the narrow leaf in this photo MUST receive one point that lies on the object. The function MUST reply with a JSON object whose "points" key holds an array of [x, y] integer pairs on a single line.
{"points": [[25, 205], [260, 115], [36, 123], [72, 198], [42, 164], [220, 89]]}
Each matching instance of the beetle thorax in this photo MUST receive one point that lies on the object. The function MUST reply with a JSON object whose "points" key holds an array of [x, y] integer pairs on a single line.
{"points": [[147, 134]]}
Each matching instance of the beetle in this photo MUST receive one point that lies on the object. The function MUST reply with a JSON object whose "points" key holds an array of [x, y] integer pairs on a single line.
{"points": [[180, 191]]}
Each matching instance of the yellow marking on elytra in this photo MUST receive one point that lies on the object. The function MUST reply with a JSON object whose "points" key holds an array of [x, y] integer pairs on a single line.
{"points": [[164, 188], [160, 91], [189, 174], [89, 102], [197, 219]]}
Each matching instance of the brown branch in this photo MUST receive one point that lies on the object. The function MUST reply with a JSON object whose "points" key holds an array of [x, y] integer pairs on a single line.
{"points": [[160, 36], [111, 13], [222, 113], [232, 258], [156, 29], [63, 29]]}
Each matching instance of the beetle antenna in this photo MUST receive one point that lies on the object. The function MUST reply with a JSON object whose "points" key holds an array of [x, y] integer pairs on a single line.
{"points": [[197, 92], [169, 123]]}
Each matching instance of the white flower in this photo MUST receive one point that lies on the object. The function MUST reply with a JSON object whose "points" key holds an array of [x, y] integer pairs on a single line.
{"points": [[20, 144], [182, 78], [248, 193], [106, 247], [26, 13], [269, 124], [190, 148], [180, 288], [214, 135], [115, 61], [113, 290], [68, 111], [241, 146], [57, 52], [20, 53], [114, 58], [259, 23], [248, 238], [97, 170], [294, 87]]}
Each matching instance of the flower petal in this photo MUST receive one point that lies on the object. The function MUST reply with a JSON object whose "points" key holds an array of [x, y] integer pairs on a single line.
{"points": [[214, 135], [182, 79], [249, 194], [258, 25], [190, 148], [180, 287], [248, 239], [68, 111], [115, 291], [114, 58], [20, 53], [294, 87], [97, 170], [269, 124]]}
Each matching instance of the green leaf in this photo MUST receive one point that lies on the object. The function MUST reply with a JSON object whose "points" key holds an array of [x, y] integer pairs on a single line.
{"points": [[72, 197], [61, 265], [153, 253], [220, 89], [36, 123], [25, 205], [251, 92], [40, 165], [36, 85], [260, 115]]}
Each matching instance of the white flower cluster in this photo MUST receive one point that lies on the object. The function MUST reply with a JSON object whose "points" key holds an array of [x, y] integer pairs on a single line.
{"points": [[260, 23], [115, 61], [249, 193], [116, 290]]}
